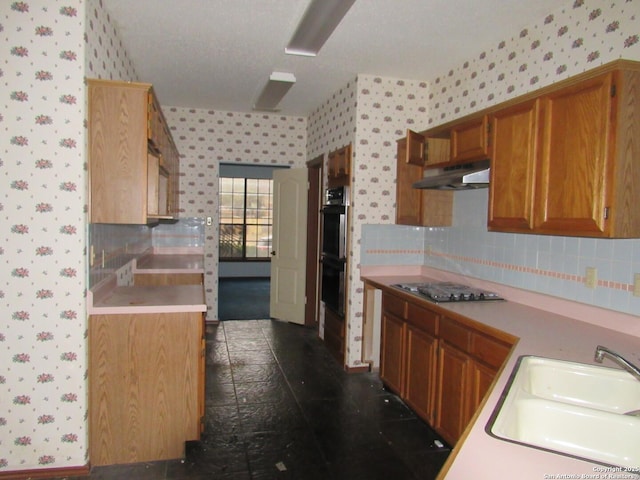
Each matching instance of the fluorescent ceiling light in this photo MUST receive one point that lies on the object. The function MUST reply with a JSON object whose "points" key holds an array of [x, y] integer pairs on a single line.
{"points": [[317, 24], [276, 88]]}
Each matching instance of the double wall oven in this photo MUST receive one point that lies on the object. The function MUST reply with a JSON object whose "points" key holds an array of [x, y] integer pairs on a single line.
{"points": [[334, 248]]}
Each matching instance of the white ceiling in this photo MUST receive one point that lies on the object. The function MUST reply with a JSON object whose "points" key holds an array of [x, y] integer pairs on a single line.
{"points": [[218, 54]]}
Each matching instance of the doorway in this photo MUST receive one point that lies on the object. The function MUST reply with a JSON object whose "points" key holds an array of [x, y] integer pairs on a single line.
{"points": [[243, 298]]}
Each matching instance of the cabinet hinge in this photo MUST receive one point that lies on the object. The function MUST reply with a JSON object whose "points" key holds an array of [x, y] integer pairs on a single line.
{"points": [[606, 213], [613, 90]]}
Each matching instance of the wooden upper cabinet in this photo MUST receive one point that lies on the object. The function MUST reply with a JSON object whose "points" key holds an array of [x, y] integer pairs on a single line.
{"points": [[408, 199], [414, 154], [567, 162], [133, 162], [576, 184], [515, 148], [340, 167], [437, 151], [414, 206], [470, 140]]}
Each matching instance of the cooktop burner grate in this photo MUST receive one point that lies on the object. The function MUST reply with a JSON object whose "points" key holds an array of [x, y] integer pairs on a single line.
{"points": [[449, 292]]}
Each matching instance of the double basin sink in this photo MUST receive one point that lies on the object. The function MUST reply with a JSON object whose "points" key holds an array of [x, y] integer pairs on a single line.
{"points": [[580, 410]]}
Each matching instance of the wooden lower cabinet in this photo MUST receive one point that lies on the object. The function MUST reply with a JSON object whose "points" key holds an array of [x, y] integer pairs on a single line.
{"points": [[146, 386], [421, 372], [392, 353], [442, 368], [453, 392]]}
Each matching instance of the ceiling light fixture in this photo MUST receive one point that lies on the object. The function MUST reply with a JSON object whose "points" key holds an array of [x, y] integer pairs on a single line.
{"points": [[276, 88], [318, 22]]}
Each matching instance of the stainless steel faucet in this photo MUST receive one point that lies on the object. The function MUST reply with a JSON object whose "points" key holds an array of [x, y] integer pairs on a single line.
{"points": [[619, 359]]}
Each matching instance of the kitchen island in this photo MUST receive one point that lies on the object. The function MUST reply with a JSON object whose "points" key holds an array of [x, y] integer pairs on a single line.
{"points": [[555, 334]]}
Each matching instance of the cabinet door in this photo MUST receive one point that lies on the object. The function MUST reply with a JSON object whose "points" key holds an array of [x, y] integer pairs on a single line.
{"points": [[392, 353], [421, 372], [482, 379], [575, 171], [515, 149], [339, 167], [408, 199], [415, 149], [470, 140], [437, 151], [453, 392], [118, 153]]}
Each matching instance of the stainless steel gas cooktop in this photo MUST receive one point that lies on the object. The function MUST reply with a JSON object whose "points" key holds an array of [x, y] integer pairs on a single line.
{"points": [[448, 292]]}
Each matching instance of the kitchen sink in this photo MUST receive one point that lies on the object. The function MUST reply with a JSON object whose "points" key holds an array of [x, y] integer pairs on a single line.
{"points": [[602, 388], [571, 408]]}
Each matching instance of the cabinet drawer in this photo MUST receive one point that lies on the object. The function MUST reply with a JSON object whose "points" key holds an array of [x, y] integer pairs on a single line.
{"points": [[489, 350], [455, 334], [394, 305], [421, 318]]}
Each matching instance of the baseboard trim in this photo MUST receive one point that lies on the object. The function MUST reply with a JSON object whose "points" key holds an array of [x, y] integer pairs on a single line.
{"points": [[46, 473], [362, 369]]}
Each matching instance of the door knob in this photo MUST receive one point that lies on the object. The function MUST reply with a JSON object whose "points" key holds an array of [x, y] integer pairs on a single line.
{"points": [[273, 253]]}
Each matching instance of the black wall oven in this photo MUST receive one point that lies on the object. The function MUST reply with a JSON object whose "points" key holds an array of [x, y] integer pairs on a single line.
{"points": [[334, 248]]}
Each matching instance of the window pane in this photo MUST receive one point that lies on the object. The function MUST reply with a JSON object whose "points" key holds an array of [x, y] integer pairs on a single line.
{"points": [[230, 243], [245, 218]]}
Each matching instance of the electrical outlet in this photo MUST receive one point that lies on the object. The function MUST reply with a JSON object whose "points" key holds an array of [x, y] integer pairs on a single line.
{"points": [[636, 285], [591, 277]]}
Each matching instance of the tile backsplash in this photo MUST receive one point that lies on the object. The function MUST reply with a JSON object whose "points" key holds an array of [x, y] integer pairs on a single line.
{"points": [[112, 247], [546, 264]]}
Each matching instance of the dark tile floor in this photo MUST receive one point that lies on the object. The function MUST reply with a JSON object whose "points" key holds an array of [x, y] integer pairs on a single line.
{"points": [[279, 407]]}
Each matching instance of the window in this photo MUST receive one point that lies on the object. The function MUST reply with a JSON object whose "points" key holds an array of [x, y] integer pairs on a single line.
{"points": [[245, 218]]}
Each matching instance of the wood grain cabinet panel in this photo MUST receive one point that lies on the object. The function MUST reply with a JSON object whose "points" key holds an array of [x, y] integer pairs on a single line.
{"points": [[392, 362], [575, 170], [414, 206], [470, 141], [145, 386], [133, 161], [441, 367], [566, 161], [453, 392], [420, 371], [339, 163], [408, 199], [515, 149]]}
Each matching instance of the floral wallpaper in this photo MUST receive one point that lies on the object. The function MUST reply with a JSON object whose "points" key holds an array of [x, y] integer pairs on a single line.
{"points": [[51, 45], [43, 395], [371, 113], [578, 36], [206, 138]]}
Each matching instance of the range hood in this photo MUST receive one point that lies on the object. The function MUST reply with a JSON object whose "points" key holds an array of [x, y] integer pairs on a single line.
{"points": [[457, 177]]}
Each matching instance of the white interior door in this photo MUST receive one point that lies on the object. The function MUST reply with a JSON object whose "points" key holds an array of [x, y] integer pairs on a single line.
{"points": [[289, 245]]}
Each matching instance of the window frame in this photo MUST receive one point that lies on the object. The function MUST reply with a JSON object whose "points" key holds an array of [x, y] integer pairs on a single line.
{"points": [[245, 227]]}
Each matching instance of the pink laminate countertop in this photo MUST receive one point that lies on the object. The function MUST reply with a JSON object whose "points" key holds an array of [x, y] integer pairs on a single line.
{"points": [[543, 333], [156, 299], [163, 263]]}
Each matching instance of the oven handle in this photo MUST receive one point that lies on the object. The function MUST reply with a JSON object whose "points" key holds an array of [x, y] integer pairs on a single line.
{"points": [[334, 209], [333, 261]]}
